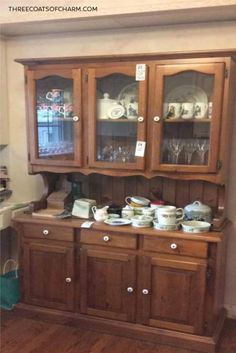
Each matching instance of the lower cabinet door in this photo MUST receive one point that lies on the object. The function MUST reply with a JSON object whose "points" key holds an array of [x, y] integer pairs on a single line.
{"points": [[48, 277], [171, 293], [107, 284]]}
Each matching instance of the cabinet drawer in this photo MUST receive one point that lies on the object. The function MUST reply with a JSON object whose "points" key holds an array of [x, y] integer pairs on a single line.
{"points": [[176, 246], [113, 239], [48, 232]]}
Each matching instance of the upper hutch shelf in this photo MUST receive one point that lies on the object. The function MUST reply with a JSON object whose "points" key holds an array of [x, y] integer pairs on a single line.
{"points": [[150, 115]]}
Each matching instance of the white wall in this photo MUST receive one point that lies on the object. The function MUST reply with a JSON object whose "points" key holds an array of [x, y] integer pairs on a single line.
{"points": [[3, 95], [153, 40], [105, 7]]}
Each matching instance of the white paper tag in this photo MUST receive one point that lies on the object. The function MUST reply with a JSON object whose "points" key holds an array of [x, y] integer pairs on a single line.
{"points": [[140, 148], [86, 224], [140, 72]]}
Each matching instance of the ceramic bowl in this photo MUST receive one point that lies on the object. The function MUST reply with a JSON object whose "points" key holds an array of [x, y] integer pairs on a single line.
{"points": [[137, 201], [165, 226], [138, 211], [148, 211], [141, 221], [195, 226]]}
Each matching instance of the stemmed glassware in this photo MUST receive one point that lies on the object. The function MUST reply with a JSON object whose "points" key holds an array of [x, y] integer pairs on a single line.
{"points": [[202, 148], [171, 150], [176, 147], [189, 148], [114, 153]]}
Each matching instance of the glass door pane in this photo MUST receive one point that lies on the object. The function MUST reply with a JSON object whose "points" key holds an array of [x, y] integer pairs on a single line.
{"points": [[54, 112], [117, 107], [187, 118]]}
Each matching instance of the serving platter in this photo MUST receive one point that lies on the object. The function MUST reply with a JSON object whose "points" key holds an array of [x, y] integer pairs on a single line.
{"points": [[187, 93]]}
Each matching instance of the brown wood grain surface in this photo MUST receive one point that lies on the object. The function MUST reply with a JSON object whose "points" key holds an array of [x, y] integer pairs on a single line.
{"points": [[24, 335]]}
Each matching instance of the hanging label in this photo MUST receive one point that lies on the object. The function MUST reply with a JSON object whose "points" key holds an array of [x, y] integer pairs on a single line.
{"points": [[140, 148], [140, 72]]}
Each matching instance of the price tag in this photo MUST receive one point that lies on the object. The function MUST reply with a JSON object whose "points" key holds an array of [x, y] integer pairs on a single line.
{"points": [[140, 148], [140, 72], [86, 224]]}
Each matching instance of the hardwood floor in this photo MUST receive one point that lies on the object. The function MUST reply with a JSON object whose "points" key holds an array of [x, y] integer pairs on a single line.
{"points": [[24, 335]]}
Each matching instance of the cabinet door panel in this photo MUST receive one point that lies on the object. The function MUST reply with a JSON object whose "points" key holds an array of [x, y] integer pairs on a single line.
{"points": [[187, 117], [49, 275], [54, 121], [176, 293], [117, 117], [105, 277]]}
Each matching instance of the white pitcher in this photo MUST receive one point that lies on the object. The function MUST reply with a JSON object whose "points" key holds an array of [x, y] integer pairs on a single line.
{"points": [[100, 214]]}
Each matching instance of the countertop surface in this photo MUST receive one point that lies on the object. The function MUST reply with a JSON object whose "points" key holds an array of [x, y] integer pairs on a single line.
{"points": [[76, 223]]}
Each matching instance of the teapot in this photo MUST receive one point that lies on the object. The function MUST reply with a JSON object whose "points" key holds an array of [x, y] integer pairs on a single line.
{"points": [[100, 214]]}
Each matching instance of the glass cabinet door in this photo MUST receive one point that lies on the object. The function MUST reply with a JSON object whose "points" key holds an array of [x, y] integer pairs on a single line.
{"points": [[116, 117], [56, 111], [186, 117]]}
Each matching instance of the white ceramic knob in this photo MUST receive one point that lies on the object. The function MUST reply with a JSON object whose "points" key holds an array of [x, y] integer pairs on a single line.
{"points": [[68, 279], [106, 238], [156, 119], [45, 232], [145, 291], [140, 119], [75, 118], [173, 246], [130, 289]]}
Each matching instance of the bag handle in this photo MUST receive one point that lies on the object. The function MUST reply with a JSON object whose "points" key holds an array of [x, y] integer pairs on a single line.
{"points": [[7, 262]]}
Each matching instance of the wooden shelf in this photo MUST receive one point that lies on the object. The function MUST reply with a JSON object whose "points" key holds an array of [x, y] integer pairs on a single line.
{"points": [[120, 120], [187, 120]]}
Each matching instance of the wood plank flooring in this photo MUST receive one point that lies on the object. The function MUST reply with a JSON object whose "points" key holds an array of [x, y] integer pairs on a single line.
{"points": [[24, 335]]}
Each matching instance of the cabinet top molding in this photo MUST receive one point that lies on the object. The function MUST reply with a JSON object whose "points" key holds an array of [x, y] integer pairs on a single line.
{"points": [[125, 57]]}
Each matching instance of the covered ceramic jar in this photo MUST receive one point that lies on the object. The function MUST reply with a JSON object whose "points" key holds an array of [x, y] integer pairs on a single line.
{"points": [[198, 211]]}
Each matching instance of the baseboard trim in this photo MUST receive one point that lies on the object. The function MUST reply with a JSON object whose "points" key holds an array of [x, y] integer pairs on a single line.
{"points": [[231, 311], [124, 329]]}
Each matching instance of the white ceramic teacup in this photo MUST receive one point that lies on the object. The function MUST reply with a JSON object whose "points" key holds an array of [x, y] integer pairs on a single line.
{"points": [[187, 110], [174, 110], [200, 110], [127, 212], [169, 215]]}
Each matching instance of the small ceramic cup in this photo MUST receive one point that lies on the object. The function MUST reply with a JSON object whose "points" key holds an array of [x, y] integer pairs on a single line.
{"points": [[200, 110], [187, 110], [174, 110], [127, 212]]}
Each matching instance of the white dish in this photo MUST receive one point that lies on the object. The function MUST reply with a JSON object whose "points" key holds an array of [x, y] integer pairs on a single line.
{"points": [[116, 111], [195, 226], [142, 226], [118, 222], [166, 227], [187, 93], [128, 94]]}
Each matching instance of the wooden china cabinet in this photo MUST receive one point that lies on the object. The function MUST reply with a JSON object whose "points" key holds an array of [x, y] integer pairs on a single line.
{"points": [[89, 115], [121, 126]]}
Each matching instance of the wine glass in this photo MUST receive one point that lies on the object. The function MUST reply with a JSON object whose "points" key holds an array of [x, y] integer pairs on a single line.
{"points": [[190, 148], [202, 148], [176, 148]]}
